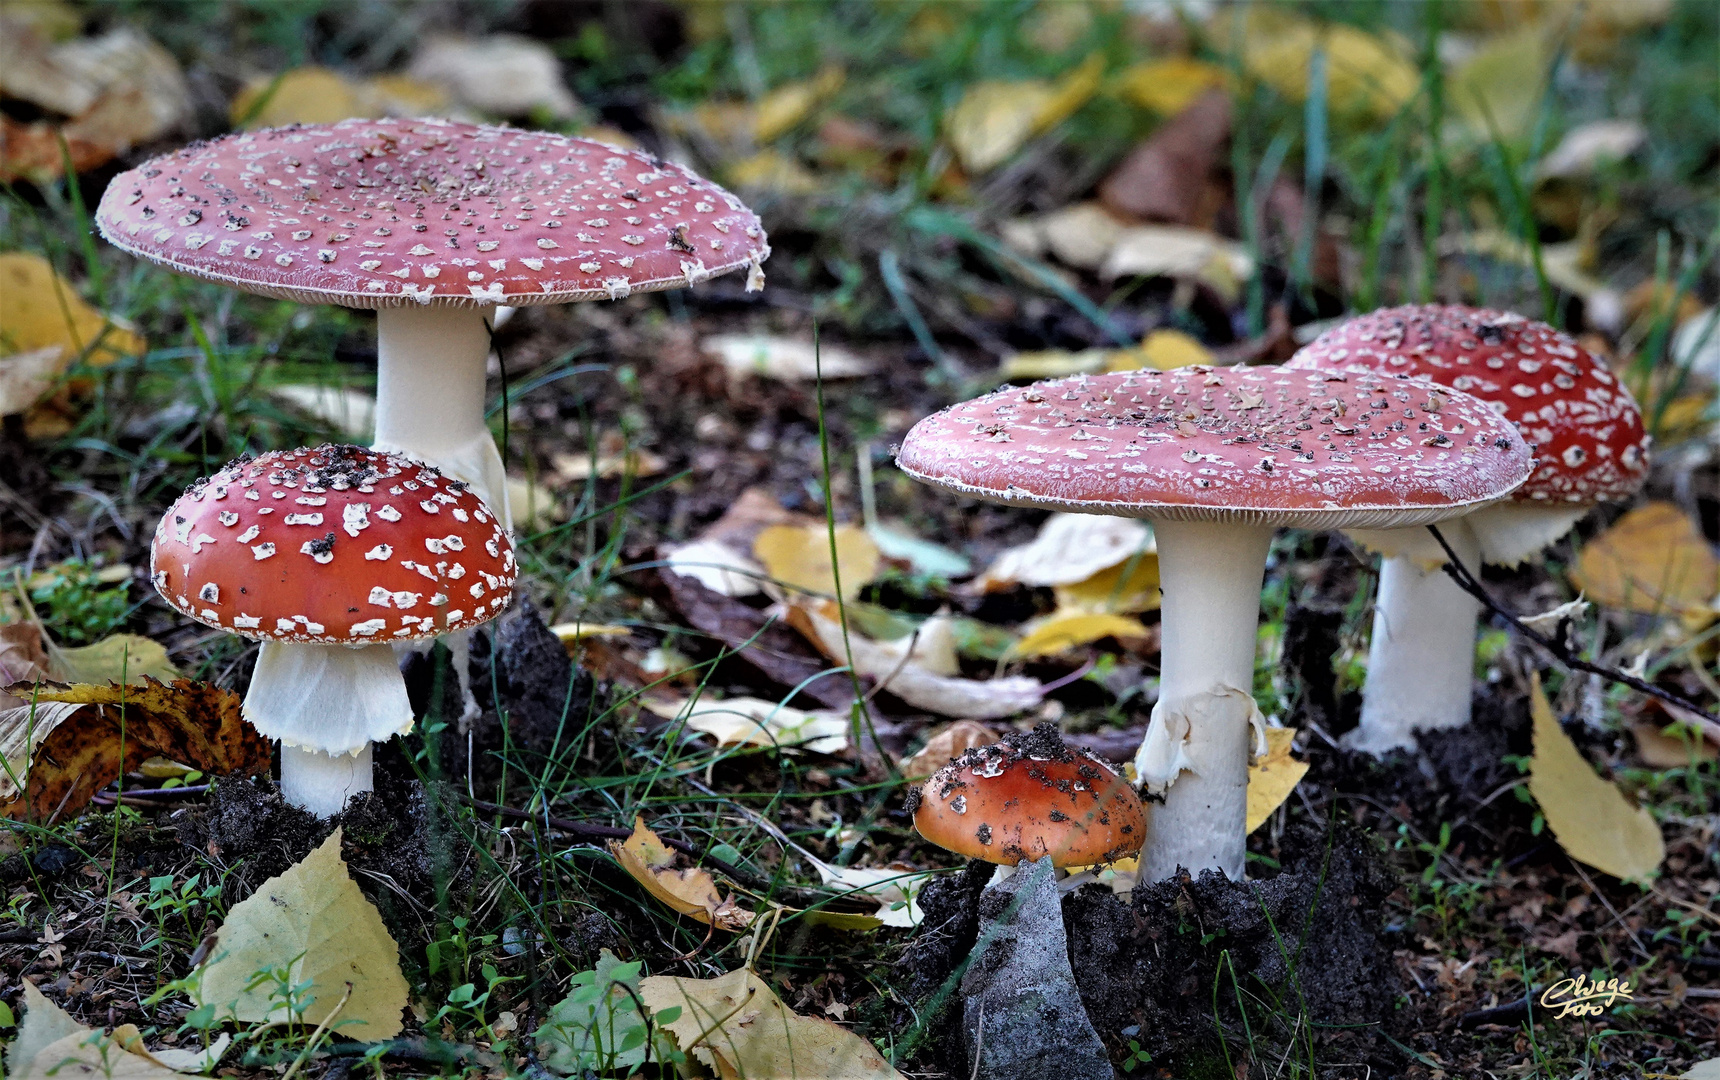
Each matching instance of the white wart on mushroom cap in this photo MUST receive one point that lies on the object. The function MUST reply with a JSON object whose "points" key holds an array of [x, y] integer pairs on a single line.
{"points": [[337, 545], [379, 213], [1311, 449]]}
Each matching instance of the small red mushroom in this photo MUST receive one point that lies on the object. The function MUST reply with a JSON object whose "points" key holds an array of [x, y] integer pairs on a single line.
{"points": [[1590, 447], [327, 556], [1030, 796], [433, 223]]}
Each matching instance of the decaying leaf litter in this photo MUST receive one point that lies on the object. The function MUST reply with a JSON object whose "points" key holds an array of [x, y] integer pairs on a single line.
{"points": [[1063, 199]]}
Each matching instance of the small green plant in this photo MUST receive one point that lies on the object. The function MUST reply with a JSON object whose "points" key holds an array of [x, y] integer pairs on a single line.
{"points": [[601, 1025], [80, 603], [1137, 1056]]}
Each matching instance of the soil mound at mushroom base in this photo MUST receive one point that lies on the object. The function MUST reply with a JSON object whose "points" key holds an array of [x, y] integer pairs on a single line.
{"points": [[1160, 968]]}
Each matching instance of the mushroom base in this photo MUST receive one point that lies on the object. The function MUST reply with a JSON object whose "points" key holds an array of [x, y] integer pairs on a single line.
{"points": [[1197, 746], [332, 698], [322, 783], [1422, 657]]}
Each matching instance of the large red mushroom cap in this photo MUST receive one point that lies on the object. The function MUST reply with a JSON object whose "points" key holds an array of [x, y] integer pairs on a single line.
{"points": [[378, 213], [1030, 796], [337, 545], [1256, 445], [1581, 421]]}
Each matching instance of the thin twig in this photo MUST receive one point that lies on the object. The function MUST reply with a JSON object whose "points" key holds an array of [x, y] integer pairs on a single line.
{"points": [[1555, 645]]}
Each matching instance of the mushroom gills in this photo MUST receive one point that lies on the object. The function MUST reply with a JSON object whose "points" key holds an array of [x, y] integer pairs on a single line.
{"points": [[332, 699], [430, 366]]}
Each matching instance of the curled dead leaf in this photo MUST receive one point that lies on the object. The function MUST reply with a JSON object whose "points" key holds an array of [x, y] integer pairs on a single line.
{"points": [[692, 892]]}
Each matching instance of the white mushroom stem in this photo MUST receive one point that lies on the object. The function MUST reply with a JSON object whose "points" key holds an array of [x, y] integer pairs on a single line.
{"points": [[324, 703], [1199, 741], [430, 394], [1422, 658], [322, 783]]}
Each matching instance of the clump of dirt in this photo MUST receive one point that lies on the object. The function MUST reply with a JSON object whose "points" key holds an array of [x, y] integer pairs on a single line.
{"points": [[386, 840], [1309, 936], [934, 958]]}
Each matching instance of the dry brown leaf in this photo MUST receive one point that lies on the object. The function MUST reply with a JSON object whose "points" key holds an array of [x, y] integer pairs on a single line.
{"points": [[23, 658], [736, 1026], [1652, 560], [1658, 750], [947, 745], [798, 557], [1170, 176], [1590, 818], [196, 723], [1273, 777], [117, 90], [691, 892]]}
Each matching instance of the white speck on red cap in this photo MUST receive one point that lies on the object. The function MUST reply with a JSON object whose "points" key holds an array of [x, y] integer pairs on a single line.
{"points": [[368, 213], [273, 582], [1582, 422]]}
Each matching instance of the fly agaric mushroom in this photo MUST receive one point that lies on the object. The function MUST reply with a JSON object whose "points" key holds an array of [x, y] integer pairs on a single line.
{"points": [[1590, 448], [1217, 458], [433, 223], [1027, 797], [327, 556]]}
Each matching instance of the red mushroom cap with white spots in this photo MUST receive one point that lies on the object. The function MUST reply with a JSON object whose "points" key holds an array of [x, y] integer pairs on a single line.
{"points": [[379, 213], [337, 545], [1581, 421], [1257, 445]]}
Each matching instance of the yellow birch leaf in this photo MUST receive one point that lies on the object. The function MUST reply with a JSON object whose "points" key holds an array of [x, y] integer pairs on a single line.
{"points": [[798, 556], [1167, 349], [127, 658], [692, 892], [737, 1027], [788, 105], [1170, 85], [1130, 587], [1071, 92], [1064, 631], [1365, 74], [39, 309], [1272, 778], [750, 721], [994, 119], [1498, 90], [307, 95], [1652, 560], [313, 922], [1590, 818], [774, 172]]}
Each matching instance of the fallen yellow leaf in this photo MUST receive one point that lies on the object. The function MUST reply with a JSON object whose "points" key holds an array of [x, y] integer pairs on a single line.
{"points": [[1063, 631], [1273, 777], [1167, 349], [1652, 560], [127, 658], [787, 105], [774, 172], [1497, 91], [1588, 816], [39, 309], [1169, 85], [1130, 587], [307, 95], [312, 924], [691, 892], [736, 1026], [1070, 548], [994, 119], [799, 557], [750, 721], [1365, 74]]}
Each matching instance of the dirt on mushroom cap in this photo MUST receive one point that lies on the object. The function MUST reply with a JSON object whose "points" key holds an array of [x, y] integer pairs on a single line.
{"points": [[336, 545], [1028, 796], [379, 213], [1582, 422]]}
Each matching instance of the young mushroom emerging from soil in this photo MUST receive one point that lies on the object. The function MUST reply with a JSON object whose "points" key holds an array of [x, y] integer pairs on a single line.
{"points": [[433, 223], [327, 556], [1217, 458], [1029, 796], [1590, 447]]}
